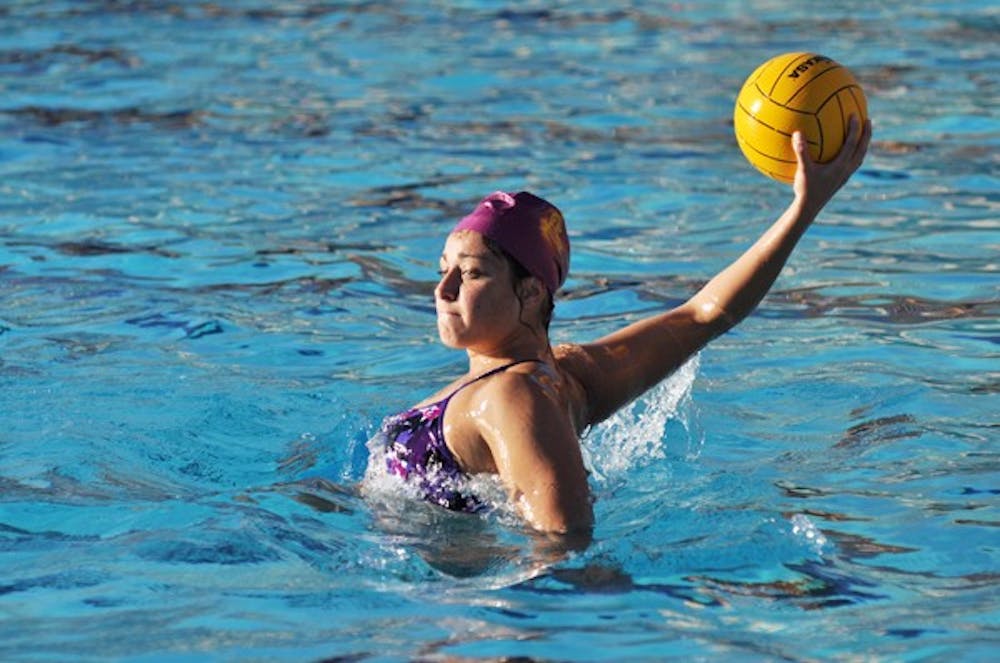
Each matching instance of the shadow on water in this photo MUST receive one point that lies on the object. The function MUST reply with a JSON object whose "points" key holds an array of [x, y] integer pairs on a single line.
{"points": [[57, 116], [811, 585], [52, 53]]}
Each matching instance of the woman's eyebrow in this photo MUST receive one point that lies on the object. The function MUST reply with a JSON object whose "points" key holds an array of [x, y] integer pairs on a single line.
{"points": [[460, 256]]}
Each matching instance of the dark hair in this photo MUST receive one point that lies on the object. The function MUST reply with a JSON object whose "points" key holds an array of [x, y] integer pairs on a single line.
{"points": [[518, 272]]}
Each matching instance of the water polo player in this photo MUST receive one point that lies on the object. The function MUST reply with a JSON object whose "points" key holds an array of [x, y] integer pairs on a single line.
{"points": [[519, 409]]}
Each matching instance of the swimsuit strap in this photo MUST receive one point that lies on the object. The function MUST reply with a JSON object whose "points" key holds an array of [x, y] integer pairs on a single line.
{"points": [[498, 369]]}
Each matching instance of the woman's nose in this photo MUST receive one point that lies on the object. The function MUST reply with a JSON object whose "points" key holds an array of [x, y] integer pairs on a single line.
{"points": [[447, 287]]}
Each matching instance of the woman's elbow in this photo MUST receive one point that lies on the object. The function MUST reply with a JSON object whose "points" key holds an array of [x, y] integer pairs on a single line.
{"points": [[711, 318]]}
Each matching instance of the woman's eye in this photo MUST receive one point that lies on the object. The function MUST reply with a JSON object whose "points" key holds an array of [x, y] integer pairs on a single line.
{"points": [[469, 273]]}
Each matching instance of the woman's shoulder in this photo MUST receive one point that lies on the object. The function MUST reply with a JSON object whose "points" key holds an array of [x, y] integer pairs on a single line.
{"points": [[577, 371], [539, 386], [572, 357], [521, 377], [594, 387], [577, 363]]}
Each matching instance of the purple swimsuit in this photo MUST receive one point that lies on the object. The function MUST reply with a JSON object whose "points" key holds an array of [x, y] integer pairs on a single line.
{"points": [[416, 452]]}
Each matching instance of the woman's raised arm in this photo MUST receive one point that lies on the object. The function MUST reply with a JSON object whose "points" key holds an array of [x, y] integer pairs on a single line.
{"points": [[624, 364]]}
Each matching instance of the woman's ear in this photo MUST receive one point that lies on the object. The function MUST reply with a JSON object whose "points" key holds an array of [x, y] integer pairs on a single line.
{"points": [[530, 289]]}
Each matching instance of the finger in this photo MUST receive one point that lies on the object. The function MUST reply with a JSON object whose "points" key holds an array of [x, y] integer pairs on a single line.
{"points": [[852, 141], [865, 141], [853, 134], [856, 154], [853, 128], [799, 146]]}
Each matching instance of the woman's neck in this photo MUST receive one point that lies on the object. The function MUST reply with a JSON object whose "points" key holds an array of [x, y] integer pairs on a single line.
{"points": [[482, 360]]}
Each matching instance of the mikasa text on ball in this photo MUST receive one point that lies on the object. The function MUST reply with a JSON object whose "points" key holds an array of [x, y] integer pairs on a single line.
{"points": [[803, 92]]}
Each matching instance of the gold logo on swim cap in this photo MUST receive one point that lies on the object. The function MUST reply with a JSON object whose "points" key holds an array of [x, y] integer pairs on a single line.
{"points": [[554, 232]]}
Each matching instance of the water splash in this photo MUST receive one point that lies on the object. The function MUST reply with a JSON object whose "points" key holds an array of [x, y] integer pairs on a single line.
{"points": [[806, 530], [636, 435]]}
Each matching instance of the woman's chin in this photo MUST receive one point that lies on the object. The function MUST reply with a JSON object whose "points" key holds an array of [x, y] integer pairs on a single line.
{"points": [[451, 344], [449, 340]]}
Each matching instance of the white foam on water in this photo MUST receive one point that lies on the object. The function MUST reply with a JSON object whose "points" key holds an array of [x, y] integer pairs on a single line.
{"points": [[635, 435]]}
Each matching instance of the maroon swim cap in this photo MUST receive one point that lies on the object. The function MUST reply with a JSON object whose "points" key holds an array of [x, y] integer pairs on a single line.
{"points": [[527, 227]]}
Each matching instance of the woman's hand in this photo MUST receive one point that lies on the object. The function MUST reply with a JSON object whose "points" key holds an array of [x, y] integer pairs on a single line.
{"points": [[816, 183]]}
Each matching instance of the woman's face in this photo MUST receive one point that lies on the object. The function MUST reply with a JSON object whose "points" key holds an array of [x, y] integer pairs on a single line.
{"points": [[477, 307]]}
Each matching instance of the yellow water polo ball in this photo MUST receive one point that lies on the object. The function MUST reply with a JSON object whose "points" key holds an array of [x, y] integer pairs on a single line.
{"points": [[803, 92]]}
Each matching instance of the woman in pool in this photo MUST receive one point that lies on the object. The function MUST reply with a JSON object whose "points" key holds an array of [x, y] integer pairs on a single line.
{"points": [[519, 410]]}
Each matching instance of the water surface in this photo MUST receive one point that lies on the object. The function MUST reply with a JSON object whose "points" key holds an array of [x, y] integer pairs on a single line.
{"points": [[219, 226]]}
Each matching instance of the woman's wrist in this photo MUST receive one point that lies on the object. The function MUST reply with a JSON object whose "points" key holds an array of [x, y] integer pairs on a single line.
{"points": [[803, 209]]}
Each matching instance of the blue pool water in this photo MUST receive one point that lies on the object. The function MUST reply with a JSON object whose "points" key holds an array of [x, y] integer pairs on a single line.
{"points": [[219, 225]]}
